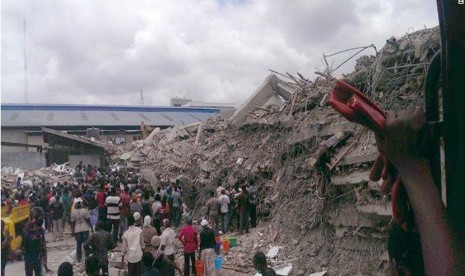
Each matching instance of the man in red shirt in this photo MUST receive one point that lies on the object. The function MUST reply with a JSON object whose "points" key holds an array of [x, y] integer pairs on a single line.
{"points": [[188, 237], [102, 208], [124, 210]]}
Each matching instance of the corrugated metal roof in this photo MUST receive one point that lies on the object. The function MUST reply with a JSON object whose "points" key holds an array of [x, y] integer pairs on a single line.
{"points": [[17, 115]]}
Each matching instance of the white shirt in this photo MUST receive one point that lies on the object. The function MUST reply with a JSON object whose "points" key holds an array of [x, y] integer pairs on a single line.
{"points": [[133, 243], [224, 201], [168, 238]]}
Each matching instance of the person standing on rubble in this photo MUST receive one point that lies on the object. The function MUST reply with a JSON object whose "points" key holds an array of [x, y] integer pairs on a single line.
{"points": [[188, 237], [213, 211], [66, 198], [157, 214], [252, 207], [207, 248], [102, 208], [167, 244], [80, 225], [90, 200], [33, 245], [56, 209], [177, 204], [113, 203], [125, 209], [99, 243], [133, 246], [224, 203], [148, 231], [243, 204]]}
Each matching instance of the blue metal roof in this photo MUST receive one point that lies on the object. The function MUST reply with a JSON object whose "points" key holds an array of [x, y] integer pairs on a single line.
{"points": [[28, 115]]}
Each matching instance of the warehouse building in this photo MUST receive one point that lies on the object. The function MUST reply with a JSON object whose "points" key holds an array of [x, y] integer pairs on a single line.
{"points": [[22, 134]]}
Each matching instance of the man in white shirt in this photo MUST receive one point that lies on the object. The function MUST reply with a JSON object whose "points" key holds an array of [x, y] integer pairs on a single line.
{"points": [[113, 203], [132, 248], [224, 203], [167, 243]]}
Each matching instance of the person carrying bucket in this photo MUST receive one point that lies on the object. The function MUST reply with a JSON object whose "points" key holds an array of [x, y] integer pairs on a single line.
{"points": [[207, 251]]}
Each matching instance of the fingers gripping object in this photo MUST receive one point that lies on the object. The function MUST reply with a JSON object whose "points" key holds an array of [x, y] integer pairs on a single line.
{"points": [[358, 108]]}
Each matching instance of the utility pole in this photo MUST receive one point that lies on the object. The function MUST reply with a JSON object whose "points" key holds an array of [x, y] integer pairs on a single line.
{"points": [[141, 101], [25, 64]]}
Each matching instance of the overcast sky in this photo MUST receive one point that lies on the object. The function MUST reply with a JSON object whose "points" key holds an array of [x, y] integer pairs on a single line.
{"points": [[106, 51]]}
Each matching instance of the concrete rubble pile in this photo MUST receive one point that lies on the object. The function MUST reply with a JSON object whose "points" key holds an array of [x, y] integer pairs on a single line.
{"points": [[310, 164], [53, 174]]}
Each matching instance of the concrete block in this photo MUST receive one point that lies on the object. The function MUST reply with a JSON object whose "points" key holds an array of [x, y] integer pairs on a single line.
{"points": [[382, 211], [349, 217], [357, 159], [351, 179]]}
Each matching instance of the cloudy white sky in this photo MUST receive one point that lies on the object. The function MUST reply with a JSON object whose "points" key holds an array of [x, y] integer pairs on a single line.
{"points": [[106, 51]]}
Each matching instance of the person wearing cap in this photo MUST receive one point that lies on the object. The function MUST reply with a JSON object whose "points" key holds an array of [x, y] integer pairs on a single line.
{"points": [[148, 231], [161, 262], [133, 245], [137, 218], [80, 225], [207, 248], [167, 240], [188, 237]]}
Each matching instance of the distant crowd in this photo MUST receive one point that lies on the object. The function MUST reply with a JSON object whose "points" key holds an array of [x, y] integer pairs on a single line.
{"points": [[104, 208]]}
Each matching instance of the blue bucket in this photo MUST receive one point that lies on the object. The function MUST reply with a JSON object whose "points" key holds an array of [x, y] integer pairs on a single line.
{"points": [[218, 263]]}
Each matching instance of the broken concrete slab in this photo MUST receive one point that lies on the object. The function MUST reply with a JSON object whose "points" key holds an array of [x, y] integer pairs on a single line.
{"points": [[177, 132], [349, 217], [357, 159], [269, 89], [351, 179], [321, 130], [383, 211]]}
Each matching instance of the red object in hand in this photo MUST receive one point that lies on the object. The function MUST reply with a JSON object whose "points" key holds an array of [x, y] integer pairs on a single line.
{"points": [[358, 108]]}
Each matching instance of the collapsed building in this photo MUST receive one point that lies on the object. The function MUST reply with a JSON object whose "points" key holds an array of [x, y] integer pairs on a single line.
{"points": [[310, 164]]}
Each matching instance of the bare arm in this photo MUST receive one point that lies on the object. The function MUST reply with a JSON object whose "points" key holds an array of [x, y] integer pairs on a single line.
{"points": [[401, 144]]}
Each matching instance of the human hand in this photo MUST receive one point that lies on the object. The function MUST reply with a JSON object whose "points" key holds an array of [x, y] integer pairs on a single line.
{"points": [[403, 138]]}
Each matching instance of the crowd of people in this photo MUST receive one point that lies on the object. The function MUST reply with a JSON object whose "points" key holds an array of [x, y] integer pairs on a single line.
{"points": [[104, 208]]}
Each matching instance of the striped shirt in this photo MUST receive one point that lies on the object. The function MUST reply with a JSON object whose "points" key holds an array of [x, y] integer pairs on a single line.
{"points": [[113, 203]]}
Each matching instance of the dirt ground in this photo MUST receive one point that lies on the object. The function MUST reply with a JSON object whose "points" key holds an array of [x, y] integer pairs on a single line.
{"points": [[59, 252]]}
